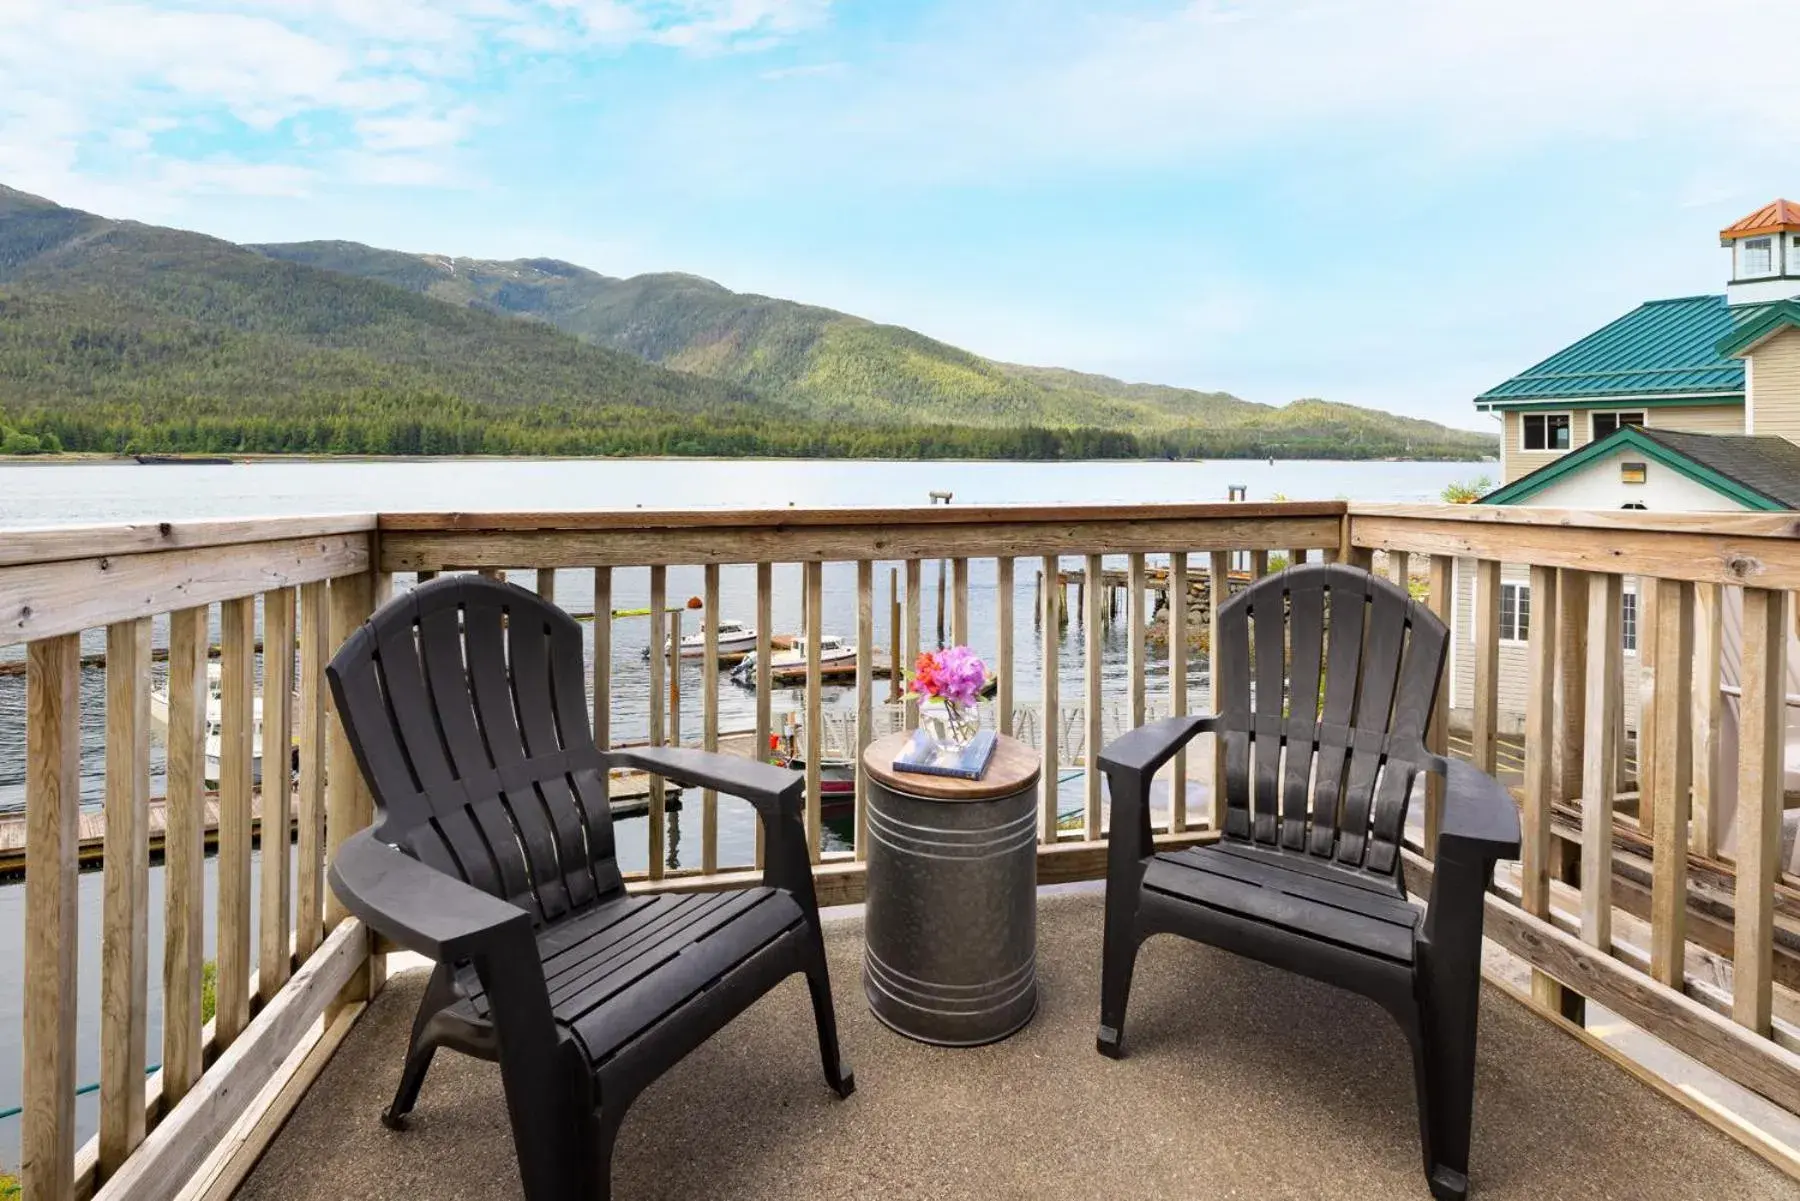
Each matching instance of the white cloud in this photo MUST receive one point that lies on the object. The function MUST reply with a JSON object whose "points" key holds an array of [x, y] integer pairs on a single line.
{"points": [[367, 88]]}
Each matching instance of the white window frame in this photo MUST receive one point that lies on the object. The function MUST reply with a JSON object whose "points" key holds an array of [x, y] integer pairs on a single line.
{"points": [[1793, 254], [1521, 592], [1767, 245], [1524, 441], [1617, 415], [1628, 621]]}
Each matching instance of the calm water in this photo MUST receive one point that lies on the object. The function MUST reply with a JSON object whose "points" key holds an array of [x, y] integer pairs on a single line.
{"points": [[97, 493]]}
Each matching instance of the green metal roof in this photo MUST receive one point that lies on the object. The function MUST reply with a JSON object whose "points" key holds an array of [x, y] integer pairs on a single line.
{"points": [[1752, 323], [1663, 348]]}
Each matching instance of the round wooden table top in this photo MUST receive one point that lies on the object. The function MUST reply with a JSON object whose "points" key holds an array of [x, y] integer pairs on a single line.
{"points": [[1013, 769]]}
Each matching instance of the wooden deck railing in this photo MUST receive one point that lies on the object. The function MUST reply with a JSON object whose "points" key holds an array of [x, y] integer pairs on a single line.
{"points": [[1616, 902]]}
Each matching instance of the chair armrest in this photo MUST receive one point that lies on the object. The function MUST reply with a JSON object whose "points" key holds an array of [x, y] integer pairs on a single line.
{"points": [[1479, 816], [770, 789], [419, 907], [776, 793], [1144, 750]]}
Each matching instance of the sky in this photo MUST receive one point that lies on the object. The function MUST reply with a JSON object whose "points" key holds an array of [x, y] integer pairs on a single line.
{"points": [[1395, 203]]}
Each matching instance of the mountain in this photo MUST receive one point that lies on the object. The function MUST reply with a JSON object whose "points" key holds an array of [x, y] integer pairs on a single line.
{"points": [[120, 336], [843, 367]]}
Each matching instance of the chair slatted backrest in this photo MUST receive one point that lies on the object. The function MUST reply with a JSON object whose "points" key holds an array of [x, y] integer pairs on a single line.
{"points": [[466, 703], [1328, 678]]}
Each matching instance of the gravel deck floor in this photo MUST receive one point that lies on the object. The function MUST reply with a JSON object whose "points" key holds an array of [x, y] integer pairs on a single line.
{"points": [[1241, 1081]]}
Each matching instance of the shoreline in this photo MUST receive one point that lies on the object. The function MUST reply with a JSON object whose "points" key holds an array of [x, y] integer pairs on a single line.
{"points": [[95, 458]]}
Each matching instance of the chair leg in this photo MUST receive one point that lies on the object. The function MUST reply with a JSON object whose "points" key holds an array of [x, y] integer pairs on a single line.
{"points": [[818, 982], [1444, 1068], [439, 992], [1118, 961]]}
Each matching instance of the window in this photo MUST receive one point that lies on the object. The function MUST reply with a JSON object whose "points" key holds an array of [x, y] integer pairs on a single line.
{"points": [[1515, 612], [1757, 257], [1628, 622], [1793, 262], [1546, 431], [1606, 424]]}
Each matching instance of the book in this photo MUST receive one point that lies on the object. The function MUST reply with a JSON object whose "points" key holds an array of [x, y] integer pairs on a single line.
{"points": [[925, 755]]}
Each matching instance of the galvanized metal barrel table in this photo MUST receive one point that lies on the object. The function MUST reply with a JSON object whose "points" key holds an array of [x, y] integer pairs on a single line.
{"points": [[951, 929]]}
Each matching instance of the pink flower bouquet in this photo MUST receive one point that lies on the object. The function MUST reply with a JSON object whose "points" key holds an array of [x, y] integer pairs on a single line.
{"points": [[954, 678]]}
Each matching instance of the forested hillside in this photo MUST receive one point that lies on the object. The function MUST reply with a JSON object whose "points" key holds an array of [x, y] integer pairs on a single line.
{"points": [[122, 337]]}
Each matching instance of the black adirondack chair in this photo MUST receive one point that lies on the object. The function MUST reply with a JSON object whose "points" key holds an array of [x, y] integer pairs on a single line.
{"points": [[493, 855], [1339, 670]]}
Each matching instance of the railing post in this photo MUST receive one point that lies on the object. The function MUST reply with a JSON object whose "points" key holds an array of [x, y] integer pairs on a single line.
{"points": [[1091, 698], [1484, 729], [277, 792], [124, 951], [1437, 732], [1761, 753], [237, 741], [184, 851], [1003, 663], [709, 716], [1178, 683], [1540, 768], [348, 806], [52, 804], [865, 700], [1051, 681], [1600, 753], [1708, 718], [1673, 753]]}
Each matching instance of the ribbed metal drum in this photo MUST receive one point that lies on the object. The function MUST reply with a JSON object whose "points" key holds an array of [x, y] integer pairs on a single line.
{"points": [[951, 929]]}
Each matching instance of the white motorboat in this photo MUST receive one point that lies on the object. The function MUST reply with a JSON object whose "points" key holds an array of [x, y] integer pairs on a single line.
{"points": [[735, 640], [837, 655], [215, 724]]}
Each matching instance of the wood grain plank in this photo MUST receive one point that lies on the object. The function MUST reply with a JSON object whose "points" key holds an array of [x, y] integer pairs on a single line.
{"points": [[40, 600], [1136, 623], [959, 601], [1218, 588], [692, 541], [1178, 683], [1604, 684], [274, 914], [1441, 582], [313, 721], [709, 716], [1484, 728], [52, 802], [1708, 719], [1673, 751], [1540, 764], [1647, 592], [814, 574], [915, 573], [865, 699], [546, 583], [1571, 679], [1003, 661], [1050, 625], [124, 948], [51, 544], [348, 803], [765, 621], [184, 887], [1091, 696], [657, 822], [1761, 751], [237, 742]]}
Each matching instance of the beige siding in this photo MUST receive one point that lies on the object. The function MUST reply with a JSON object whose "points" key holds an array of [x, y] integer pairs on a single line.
{"points": [[1514, 670], [1697, 419], [1516, 461], [1775, 384]]}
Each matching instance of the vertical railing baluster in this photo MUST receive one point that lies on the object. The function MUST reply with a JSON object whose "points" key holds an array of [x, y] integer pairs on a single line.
{"points": [[1600, 751], [348, 803], [124, 950], [184, 852], [1540, 767], [1648, 670], [1708, 718], [237, 742], [914, 587], [1400, 563], [709, 717], [1673, 751], [815, 687], [603, 657], [1437, 732], [865, 700], [1571, 679], [1096, 612], [765, 650], [1761, 768], [277, 751], [309, 887], [1003, 660], [673, 655], [959, 601], [1178, 683], [546, 583], [1218, 591], [1051, 630], [1483, 744], [52, 848], [659, 603]]}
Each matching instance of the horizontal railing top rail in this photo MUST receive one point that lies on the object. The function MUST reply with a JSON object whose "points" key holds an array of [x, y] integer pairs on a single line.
{"points": [[53, 544]]}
